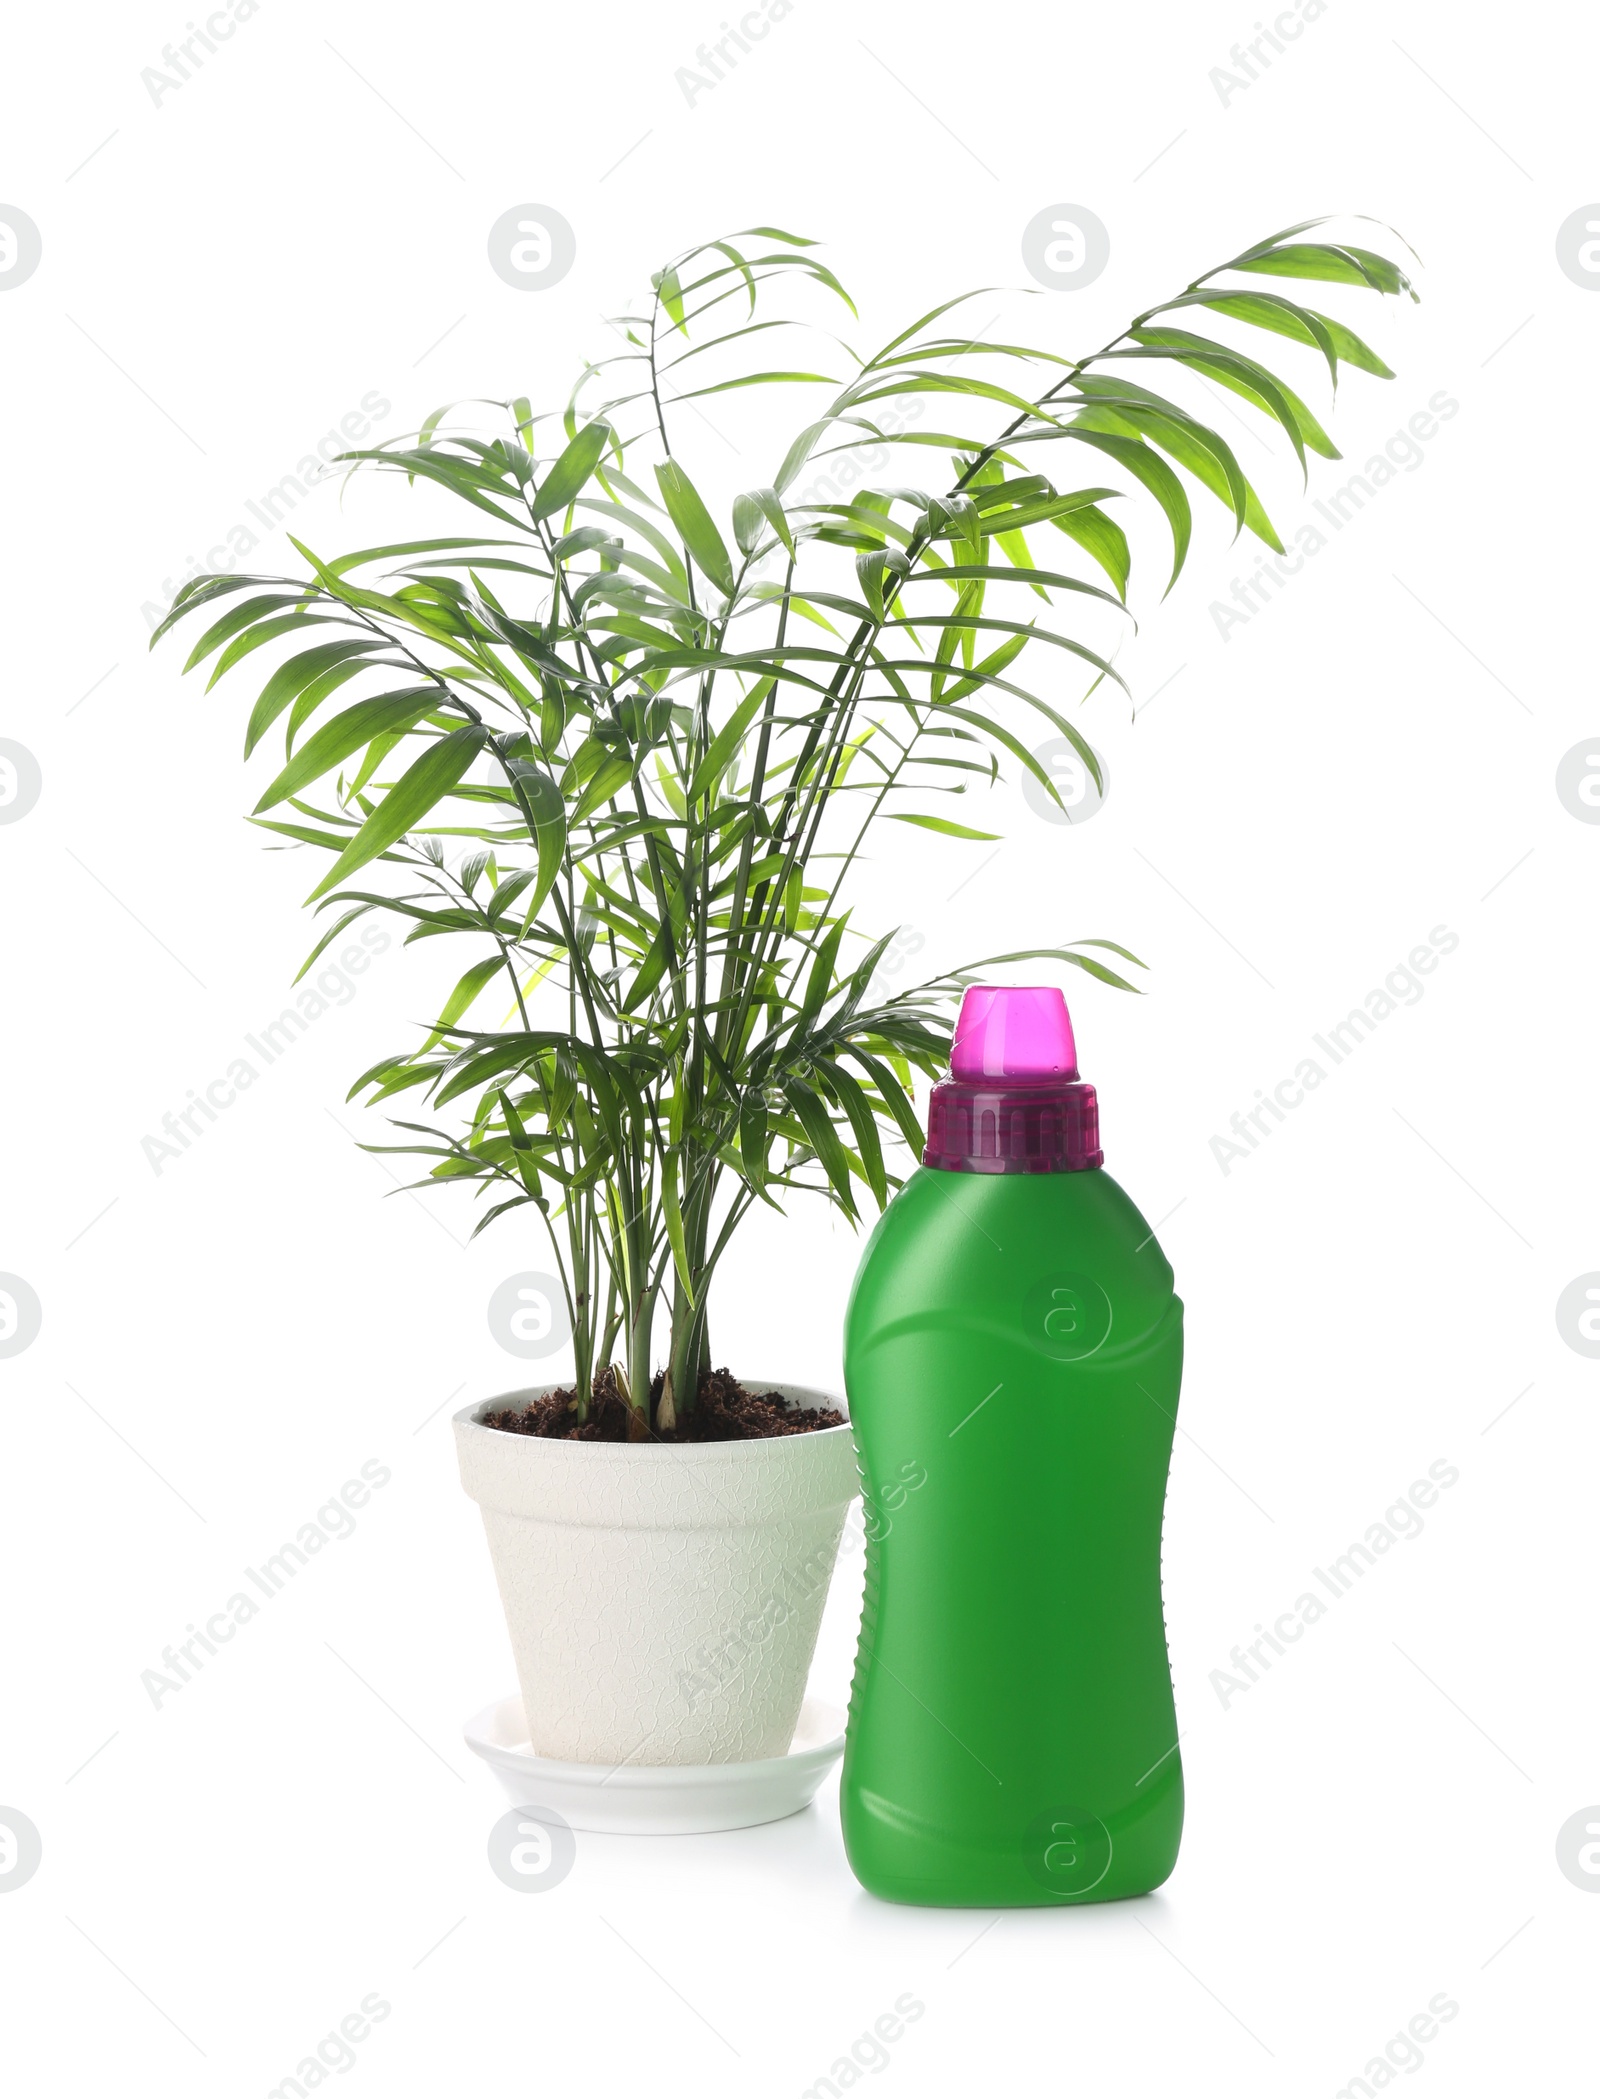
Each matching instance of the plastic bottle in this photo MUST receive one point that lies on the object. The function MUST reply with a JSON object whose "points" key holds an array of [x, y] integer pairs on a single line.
{"points": [[1013, 1349]]}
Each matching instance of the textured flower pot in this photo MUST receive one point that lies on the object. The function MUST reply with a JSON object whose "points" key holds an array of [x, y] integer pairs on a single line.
{"points": [[663, 1599]]}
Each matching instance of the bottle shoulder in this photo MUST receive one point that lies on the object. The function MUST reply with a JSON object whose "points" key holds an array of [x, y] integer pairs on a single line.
{"points": [[1067, 1254]]}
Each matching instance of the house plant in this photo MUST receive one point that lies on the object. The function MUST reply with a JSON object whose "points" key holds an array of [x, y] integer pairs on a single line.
{"points": [[660, 741]]}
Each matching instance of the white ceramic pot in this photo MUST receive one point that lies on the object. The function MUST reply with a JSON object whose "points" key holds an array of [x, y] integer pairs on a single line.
{"points": [[663, 1599]]}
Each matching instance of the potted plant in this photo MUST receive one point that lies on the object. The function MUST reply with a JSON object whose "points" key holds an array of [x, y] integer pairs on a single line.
{"points": [[659, 741]]}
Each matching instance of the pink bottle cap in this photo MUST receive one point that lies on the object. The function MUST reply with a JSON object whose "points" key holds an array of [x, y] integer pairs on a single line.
{"points": [[1013, 1102], [1013, 1032]]}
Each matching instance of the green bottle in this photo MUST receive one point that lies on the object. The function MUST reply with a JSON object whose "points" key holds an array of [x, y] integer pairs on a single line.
{"points": [[1013, 1349]]}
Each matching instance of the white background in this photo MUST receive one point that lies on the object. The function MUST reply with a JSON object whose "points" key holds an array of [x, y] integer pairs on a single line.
{"points": [[1371, 1290]]}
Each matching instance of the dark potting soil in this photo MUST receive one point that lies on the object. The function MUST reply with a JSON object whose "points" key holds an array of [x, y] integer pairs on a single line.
{"points": [[725, 1413]]}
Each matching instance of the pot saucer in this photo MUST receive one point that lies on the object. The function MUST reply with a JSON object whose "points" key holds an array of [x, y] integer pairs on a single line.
{"points": [[659, 1800]]}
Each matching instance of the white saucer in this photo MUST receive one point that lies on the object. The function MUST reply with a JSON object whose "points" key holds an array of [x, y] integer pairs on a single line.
{"points": [[659, 1800]]}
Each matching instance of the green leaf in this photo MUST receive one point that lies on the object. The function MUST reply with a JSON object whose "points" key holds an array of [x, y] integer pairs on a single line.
{"points": [[657, 956], [198, 591], [869, 574], [775, 594], [1116, 948], [1149, 468], [1092, 968], [377, 754], [775, 233], [941, 823], [420, 788], [547, 810], [695, 526], [347, 918], [304, 834], [750, 510], [367, 555], [1000, 518], [1068, 955], [462, 997], [723, 745], [572, 470], [449, 470], [1244, 376], [240, 617], [820, 981], [1300, 323], [670, 292], [748, 523], [1020, 751], [521, 1146], [891, 1091], [824, 1140], [1297, 322], [864, 1123], [1206, 455], [812, 268], [1103, 538], [1327, 264], [611, 774], [255, 637], [673, 1216], [728, 386], [934, 314], [992, 665], [322, 669], [642, 525], [799, 452], [389, 715], [677, 801], [753, 1137]]}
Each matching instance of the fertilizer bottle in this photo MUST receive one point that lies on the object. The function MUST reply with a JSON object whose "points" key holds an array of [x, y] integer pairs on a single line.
{"points": [[1012, 1355]]}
